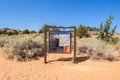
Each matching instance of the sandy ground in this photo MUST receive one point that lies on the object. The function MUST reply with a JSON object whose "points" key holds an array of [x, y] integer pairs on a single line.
{"points": [[59, 67]]}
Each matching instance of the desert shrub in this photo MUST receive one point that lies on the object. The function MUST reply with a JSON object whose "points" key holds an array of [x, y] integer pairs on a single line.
{"points": [[14, 32], [4, 32], [9, 33], [27, 49], [82, 31], [22, 47], [117, 46], [26, 31], [93, 29], [0, 31], [5, 39], [96, 49], [2, 42], [41, 31], [33, 31], [104, 32]]}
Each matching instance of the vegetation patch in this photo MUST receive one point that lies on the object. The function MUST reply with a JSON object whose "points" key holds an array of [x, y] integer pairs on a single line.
{"points": [[96, 49], [22, 48], [104, 32]]}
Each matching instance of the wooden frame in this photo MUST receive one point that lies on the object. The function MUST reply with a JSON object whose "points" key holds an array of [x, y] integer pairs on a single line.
{"points": [[45, 41]]}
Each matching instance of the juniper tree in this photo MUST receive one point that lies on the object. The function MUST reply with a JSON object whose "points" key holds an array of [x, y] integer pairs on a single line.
{"points": [[104, 31], [82, 31]]}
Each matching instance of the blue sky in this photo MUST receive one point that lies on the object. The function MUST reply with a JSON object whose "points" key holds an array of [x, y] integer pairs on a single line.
{"points": [[33, 14]]}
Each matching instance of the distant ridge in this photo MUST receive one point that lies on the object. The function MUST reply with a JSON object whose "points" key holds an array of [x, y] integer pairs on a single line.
{"points": [[10, 31]]}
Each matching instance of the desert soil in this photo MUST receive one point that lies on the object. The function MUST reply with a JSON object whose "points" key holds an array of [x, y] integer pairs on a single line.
{"points": [[59, 67]]}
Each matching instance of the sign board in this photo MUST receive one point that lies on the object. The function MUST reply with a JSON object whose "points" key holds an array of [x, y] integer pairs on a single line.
{"points": [[59, 42]]}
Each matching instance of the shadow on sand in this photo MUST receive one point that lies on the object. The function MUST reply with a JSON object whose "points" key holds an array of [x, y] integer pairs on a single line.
{"points": [[78, 59]]}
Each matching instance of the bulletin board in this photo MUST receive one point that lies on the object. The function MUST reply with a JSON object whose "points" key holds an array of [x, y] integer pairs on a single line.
{"points": [[59, 40]]}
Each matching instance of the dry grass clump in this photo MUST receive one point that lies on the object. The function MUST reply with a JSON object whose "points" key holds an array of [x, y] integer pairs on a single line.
{"points": [[2, 42], [22, 47], [96, 49], [118, 46], [27, 49]]}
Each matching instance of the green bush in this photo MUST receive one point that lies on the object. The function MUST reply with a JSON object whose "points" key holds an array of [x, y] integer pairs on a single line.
{"points": [[33, 31], [13, 32], [82, 31], [104, 32], [0, 31], [4, 32], [26, 31], [93, 29], [41, 31]]}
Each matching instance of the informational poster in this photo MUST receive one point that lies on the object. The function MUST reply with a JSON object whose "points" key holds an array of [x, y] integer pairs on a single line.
{"points": [[59, 42], [64, 40]]}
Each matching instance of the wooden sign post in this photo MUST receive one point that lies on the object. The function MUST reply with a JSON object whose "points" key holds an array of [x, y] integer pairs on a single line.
{"points": [[59, 41]]}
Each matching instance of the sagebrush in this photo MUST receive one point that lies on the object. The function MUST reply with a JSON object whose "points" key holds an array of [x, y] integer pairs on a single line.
{"points": [[96, 49], [22, 47]]}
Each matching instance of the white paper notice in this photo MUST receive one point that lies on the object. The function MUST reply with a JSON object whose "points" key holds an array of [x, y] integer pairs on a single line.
{"points": [[64, 40]]}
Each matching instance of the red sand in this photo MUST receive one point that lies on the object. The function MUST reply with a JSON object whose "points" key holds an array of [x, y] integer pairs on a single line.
{"points": [[60, 67]]}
